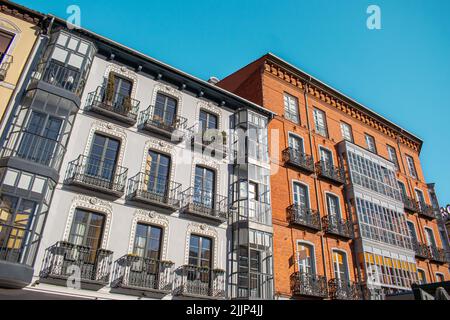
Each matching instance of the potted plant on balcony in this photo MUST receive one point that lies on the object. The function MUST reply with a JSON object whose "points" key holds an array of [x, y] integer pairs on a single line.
{"points": [[109, 92]]}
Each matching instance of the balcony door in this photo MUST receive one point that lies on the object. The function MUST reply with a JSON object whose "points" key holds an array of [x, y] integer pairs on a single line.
{"points": [[40, 138], [326, 156], [16, 216], [430, 237], [200, 262], [102, 159], [145, 272], [118, 91], [420, 198], [412, 231], [165, 110], [402, 187], [87, 231], [204, 185], [333, 207], [158, 173], [301, 196], [305, 259], [340, 267]]}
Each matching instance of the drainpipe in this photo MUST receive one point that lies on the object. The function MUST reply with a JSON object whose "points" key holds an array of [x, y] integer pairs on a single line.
{"points": [[316, 188]]}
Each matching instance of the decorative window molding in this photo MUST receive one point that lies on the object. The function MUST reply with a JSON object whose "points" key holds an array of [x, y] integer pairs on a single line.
{"points": [[124, 72], [92, 204], [170, 91], [154, 219], [211, 108], [202, 229], [163, 147], [111, 130]]}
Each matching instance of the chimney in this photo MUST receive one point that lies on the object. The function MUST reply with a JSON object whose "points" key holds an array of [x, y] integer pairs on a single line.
{"points": [[213, 80]]}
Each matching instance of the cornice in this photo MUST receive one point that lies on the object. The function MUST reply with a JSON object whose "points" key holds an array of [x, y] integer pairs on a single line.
{"points": [[333, 100], [20, 12]]}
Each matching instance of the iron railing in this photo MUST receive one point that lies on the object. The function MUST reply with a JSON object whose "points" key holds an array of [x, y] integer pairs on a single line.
{"points": [[92, 172], [134, 272], [163, 122], [115, 105], [342, 289], [306, 284], [427, 211], [304, 216], [421, 250], [34, 148], [63, 258], [331, 172], [337, 226], [204, 203], [298, 159], [157, 190], [437, 254], [199, 282], [60, 76], [410, 204], [5, 62]]}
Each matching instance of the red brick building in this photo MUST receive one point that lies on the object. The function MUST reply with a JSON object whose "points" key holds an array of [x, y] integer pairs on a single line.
{"points": [[350, 203]]}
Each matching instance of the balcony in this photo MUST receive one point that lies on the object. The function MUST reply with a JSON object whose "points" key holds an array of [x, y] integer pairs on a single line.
{"points": [[60, 76], [63, 258], [342, 289], [199, 282], [143, 274], [437, 254], [421, 250], [427, 211], [164, 123], [154, 190], [92, 173], [204, 203], [331, 172], [304, 284], [298, 159], [5, 62], [34, 148], [114, 105], [211, 141], [337, 226], [304, 216], [410, 204]]}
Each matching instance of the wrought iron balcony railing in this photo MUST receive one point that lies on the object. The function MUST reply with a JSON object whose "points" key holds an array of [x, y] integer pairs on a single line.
{"points": [[5, 62], [115, 105], [342, 289], [298, 159], [304, 216], [165, 123], [133, 272], [426, 211], [92, 173], [204, 203], [34, 148], [213, 141], [60, 76], [337, 226], [437, 254], [305, 284], [421, 250], [410, 204], [199, 282], [333, 173], [61, 259], [154, 190]]}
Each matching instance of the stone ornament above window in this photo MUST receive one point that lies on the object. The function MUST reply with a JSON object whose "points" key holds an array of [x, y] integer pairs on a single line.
{"points": [[202, 230]]}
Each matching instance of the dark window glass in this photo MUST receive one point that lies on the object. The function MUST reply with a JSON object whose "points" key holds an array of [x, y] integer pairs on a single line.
{"points": [[103, 157], [165, 109], [204, 186], [147, 243], [159, 169]]}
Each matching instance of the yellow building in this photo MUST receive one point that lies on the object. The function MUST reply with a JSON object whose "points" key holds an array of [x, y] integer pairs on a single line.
{"points": [[19, 31]]}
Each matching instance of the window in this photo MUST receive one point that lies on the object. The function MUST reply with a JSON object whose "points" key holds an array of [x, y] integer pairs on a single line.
{"points": [[208, 121], [118, 90], [340, 266], [16, 216], [393, 156], [87, 230], [291, 108], [333, 206], [420, 197], [5, 42], [296, 143], [326, 157], [412, 230], [422, 278], [346, 131], [249, 272], [165, 109], [439, 277], [204, 187], [430, 237], [200, 256], [370, 142], [103, 157], [320, 122], [402, 187], [411, 167], [147, 243], [305, 257], [252, 199], [158, 166], [301, 196], [40, 138]]}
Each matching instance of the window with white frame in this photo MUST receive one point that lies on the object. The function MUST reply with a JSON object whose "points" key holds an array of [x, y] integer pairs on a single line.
{"points": [[370, 142], [430, 237], [411, 167], [393, 155], [320, 122], [305, 258], [333, 206], [340, 266], [346, 131], [291, 108], [420, 197], [422, 279]]}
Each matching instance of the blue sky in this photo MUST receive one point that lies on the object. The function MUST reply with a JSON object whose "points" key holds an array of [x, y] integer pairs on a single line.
{"points": [[401, 71]]}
